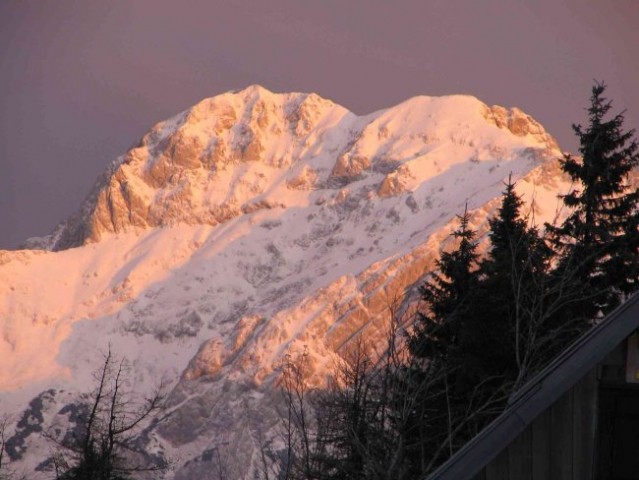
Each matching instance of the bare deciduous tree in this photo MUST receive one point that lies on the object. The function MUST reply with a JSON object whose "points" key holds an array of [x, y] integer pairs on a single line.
{"points": [[6, 472], [106, 446]]}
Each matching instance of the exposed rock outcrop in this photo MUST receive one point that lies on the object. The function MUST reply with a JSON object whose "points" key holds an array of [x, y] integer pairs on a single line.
{"points": [[518, 122], [395, 182], [252, 228], [207, 163]]}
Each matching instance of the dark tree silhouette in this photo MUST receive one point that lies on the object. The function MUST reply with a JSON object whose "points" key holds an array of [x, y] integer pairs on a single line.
{"points": [[514, 267], [105, 448], [598, 241], [437, 331]]}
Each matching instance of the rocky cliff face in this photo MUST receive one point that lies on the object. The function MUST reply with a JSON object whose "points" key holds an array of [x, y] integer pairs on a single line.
{"points": [[218, 159], [251, 226]]}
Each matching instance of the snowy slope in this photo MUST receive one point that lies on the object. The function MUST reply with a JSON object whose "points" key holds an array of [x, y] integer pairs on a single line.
{"points": [[252, 225]]}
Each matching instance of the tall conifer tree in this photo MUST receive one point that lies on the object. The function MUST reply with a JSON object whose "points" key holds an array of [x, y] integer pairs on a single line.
{"points": [[437, 338], [597, 243], [446, 295], [510, 274]]}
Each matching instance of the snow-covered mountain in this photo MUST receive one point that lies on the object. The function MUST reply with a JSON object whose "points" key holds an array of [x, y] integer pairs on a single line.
{"points": [[249, 226]]}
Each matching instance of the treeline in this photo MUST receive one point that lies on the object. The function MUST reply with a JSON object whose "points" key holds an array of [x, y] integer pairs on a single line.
{"points": [[488, 324]]}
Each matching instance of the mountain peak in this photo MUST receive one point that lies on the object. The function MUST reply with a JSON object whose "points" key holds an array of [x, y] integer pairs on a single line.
{"points": [[251, 226], [253, 91], [250, 149]]}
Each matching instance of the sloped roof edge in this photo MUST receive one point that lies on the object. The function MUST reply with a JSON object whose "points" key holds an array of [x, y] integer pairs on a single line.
{"points": [[541, 392]]}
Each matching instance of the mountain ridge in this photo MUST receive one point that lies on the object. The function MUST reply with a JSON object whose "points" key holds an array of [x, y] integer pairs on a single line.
{"points": [[208, 268], [237, 127]]}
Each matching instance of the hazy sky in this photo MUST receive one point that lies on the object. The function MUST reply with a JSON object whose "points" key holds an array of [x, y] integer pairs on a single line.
{"points": [[80, 82]]}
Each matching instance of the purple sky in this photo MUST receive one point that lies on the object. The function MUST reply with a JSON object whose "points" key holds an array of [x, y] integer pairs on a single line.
{"points": [[82, 81]]}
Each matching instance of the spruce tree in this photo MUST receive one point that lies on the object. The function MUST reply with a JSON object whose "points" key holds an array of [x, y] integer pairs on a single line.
{"points": [[511, 241], [597, 243], [436, 338], [437, 332], [497, 335]]}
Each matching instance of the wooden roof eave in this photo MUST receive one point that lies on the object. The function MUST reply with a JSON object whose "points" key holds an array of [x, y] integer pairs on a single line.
{"points": [[542, 391]]}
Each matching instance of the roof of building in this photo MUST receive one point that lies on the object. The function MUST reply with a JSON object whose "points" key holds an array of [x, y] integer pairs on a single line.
{"points": [[542, 391]]}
